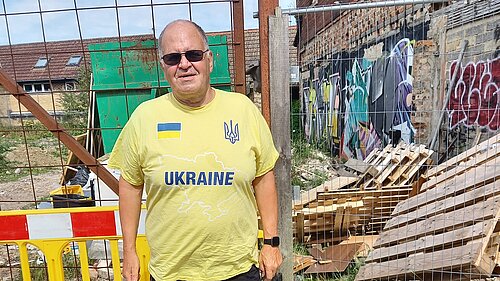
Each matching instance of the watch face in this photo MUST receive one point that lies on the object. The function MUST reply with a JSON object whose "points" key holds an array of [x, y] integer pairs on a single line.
{"points": [[275, 241]]}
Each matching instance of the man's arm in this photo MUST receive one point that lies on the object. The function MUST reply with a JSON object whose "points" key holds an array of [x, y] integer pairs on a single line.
{"points": [[267, 202], [130, 210]]}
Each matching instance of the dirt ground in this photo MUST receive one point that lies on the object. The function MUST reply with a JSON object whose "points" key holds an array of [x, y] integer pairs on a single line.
{"points": [[35, 183]]}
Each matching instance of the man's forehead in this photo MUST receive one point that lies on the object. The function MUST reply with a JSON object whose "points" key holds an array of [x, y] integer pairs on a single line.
{"points": [[179, 31]]}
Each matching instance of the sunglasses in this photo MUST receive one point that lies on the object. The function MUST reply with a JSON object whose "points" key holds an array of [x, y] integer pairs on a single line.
{"points": [[191, 55]]}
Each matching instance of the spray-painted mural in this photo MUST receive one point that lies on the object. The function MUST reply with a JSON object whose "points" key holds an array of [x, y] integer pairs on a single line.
{"points": [[357, 105], [475, 96]]}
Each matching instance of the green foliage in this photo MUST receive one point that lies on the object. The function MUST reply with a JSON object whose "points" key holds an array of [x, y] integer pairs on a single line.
{"points": [[300, 249], [4, 148], [75, 104], [302, 154]]}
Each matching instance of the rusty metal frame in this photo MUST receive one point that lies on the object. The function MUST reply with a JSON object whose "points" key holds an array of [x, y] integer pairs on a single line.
{"points": [[53, 126], [266, 9], [239, 46]]}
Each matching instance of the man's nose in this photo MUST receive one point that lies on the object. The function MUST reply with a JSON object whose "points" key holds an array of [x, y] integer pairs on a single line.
{"points": [[184, 63]]}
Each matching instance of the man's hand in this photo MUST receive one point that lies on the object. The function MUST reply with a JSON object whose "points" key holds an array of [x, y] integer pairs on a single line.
{"points": [[131, 266], [269, 261]]}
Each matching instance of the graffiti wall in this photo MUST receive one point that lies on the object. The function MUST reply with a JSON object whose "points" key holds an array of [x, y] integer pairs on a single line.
{"points": [[356, 105], [475, 96]]}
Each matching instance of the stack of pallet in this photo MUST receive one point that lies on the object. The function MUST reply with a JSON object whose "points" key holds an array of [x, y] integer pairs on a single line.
{"points": [[394, 166], [361, 204], [450, 228]]}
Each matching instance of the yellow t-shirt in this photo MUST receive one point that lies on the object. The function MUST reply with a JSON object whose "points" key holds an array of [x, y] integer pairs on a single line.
{"points": [[197, 166]]}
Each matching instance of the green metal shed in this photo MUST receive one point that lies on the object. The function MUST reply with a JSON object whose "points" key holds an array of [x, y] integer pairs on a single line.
{"points": [[125, 74]]}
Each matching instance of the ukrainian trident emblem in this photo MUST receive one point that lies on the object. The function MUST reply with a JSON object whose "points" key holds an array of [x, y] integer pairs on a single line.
{"points": [[231, 133]]}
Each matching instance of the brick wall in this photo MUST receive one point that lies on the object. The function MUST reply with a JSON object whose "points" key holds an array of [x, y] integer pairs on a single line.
{"points": [[439, 33], [353, 29], [481, 37]]}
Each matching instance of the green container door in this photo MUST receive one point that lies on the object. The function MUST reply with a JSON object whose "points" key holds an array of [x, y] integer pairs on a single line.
{"points": [[125, 77]]}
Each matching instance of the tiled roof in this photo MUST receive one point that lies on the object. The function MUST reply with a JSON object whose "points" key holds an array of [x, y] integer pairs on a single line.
{"points": [[25, 57]]}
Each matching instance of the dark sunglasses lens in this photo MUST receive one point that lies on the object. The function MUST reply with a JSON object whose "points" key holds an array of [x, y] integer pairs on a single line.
{"points": [[194, 55], [172, 59]]}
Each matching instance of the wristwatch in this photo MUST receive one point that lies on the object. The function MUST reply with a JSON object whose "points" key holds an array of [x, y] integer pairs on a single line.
{"points": [[273, 242]]}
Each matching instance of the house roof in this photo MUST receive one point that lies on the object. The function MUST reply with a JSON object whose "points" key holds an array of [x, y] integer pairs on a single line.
{"points": [[19, 60]]}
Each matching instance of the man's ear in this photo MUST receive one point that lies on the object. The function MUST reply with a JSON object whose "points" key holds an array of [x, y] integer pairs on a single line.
{"points": [[211, 60]]}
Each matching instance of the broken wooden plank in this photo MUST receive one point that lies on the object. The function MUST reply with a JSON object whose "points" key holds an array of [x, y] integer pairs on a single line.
{"points": [[337, 258], [302, 262]]}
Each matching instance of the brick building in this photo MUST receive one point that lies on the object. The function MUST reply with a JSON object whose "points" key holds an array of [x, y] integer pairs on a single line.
{"points": [[407, 51]]}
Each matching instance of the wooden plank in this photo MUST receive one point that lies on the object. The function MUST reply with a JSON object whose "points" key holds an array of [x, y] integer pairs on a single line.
{"points": [[339, 216], [431, 242], [437, 224], [302, 262], [299, 226], [373, 193], [409, 174], [357, 165], [279, 103], [334, 258], [488, 260], [461, 257], [491, 153], [308, 212], [72, 161], [443, 167], [452, 203], [346, 223], [331, 185], [483, 174], [405, 163]]}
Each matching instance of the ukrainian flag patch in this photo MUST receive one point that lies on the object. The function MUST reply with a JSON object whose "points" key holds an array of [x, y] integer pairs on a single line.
{"points": [[169, 130]]}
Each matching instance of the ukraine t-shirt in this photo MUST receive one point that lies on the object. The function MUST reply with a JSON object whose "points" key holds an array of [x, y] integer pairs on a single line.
{"points": [[197, 166]]}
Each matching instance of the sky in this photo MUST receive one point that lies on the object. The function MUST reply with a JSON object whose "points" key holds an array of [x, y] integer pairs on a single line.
{"points": [[25, 21]]}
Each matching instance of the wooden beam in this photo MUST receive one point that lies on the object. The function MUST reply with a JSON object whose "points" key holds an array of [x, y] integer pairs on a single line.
{"points": [[55, 128], [280, 126]]}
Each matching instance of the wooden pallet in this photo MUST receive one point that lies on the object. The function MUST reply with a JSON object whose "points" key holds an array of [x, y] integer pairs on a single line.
{"points": [[452, 227], [335, 214], [392, 166], [462, 163]]}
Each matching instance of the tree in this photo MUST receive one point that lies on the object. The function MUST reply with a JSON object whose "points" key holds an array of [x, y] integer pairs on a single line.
{"points": [[76, 103]]}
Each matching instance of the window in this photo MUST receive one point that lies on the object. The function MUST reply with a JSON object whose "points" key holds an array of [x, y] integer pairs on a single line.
{"points": [[28, 88], [74, 60], [37, 87], [41, 63], [69, 86]]}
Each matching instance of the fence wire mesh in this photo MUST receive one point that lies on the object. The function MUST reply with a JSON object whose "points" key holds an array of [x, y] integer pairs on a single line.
{"points": [[395, 116], [88, 64], [395, 141]]}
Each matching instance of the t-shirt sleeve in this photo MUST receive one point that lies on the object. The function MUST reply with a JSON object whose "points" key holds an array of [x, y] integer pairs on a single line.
{"points": [[266, 154], [125, 154]]}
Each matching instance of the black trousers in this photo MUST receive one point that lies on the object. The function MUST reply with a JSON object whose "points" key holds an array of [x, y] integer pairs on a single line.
{"points": [[252, 275]]}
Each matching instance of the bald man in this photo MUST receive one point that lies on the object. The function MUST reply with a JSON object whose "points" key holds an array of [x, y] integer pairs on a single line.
{"points": [[205, 158]]}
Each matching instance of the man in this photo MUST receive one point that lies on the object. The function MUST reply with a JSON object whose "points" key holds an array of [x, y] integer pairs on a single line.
{"points": [[205, 158]]}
